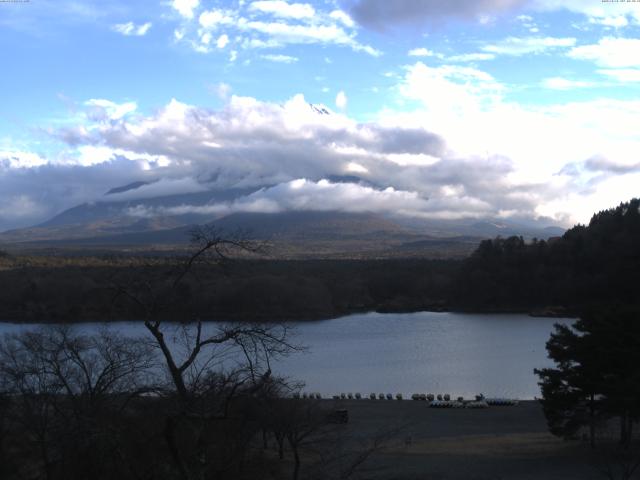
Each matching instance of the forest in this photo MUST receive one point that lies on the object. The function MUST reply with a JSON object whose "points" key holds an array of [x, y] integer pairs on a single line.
{"points": [[589, 265], [105, 406]]}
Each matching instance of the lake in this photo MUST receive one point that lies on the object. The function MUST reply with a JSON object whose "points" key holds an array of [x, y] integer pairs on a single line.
{"points": [[460, 354]]}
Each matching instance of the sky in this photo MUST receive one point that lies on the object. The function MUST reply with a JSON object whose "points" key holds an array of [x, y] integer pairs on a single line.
{"points": [[512, 109]]}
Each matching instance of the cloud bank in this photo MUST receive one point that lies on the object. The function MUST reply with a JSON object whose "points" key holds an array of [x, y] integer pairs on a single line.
{"points": [[462, 150], [294, 155]]}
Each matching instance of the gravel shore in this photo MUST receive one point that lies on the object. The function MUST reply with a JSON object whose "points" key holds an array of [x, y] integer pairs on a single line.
{"points": [[451, 444]]}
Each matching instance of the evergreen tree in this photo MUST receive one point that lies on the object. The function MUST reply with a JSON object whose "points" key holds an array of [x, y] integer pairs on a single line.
{"points": [[597, 374]]}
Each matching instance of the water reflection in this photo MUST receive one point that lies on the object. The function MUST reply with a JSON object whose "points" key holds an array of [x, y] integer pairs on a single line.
{"points": [[461, 354]]}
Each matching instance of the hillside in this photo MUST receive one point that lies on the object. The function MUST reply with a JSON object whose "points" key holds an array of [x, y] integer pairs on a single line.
{"points": [[137, 217], [588, 266]]}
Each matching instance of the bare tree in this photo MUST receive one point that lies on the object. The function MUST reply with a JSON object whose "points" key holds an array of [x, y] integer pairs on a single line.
{"points": [[209, 366], [65, 388]]}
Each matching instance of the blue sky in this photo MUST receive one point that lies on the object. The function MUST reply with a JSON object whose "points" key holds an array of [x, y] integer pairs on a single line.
{"points": [[537, 100]]}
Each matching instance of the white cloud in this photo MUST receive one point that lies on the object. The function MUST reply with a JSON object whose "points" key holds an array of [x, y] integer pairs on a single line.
{"points": [[185, 7], [252, 143], [421, 52], [129, 29], [267, 24], [341, 100], [468, 109], [212, 19], [471, 57], [18, 159], [619, 21], [306, 195], [598, 12], [106, 109], [178, 34], [222, 90], [223, 41], [500, 157], [282, 9], [613, 52], [342, 17], [623, 75], [279, 58], [284, 33], [560, 83], [450, 88], [517, 46], [205, 38]]}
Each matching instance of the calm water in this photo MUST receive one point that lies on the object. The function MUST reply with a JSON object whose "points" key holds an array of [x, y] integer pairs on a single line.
{"points": [[460, 354]]}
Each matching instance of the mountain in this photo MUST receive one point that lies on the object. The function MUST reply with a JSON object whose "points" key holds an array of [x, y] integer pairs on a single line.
{"points": [[485, 228], [125, 217], [120, 210], [303, 226]]}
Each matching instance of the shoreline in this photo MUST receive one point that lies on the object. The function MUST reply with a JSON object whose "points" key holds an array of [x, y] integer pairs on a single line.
{"points": [[536, 313], [461, 444]]}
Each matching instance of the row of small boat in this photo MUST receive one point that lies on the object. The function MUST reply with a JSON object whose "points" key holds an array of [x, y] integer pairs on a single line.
{"points": [[435, 401], [478, 403], [458, 404]]}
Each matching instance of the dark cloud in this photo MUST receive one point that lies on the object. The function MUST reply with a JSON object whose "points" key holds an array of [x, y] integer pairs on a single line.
{"points": [[595, 170], [384, 14], [32, 195], [284, 150], [604, 165], [584, 177]]}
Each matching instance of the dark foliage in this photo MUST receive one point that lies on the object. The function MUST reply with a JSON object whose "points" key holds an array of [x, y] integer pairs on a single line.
{"points": [[247, 290], [74, 407], [589, 266], [597, 374]]}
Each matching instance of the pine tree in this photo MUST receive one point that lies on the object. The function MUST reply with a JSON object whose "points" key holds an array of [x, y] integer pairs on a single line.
{"points": [[597, 374]]}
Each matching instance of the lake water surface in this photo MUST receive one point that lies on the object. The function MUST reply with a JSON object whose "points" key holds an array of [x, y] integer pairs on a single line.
{"points": [[460, 354]]}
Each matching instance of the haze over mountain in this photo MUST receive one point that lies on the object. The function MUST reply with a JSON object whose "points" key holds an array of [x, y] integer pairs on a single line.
{"points": [[127, 216]]}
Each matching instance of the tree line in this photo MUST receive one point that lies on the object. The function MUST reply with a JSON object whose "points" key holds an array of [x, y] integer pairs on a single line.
{"points": [[589, 266], [186, 401]]}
